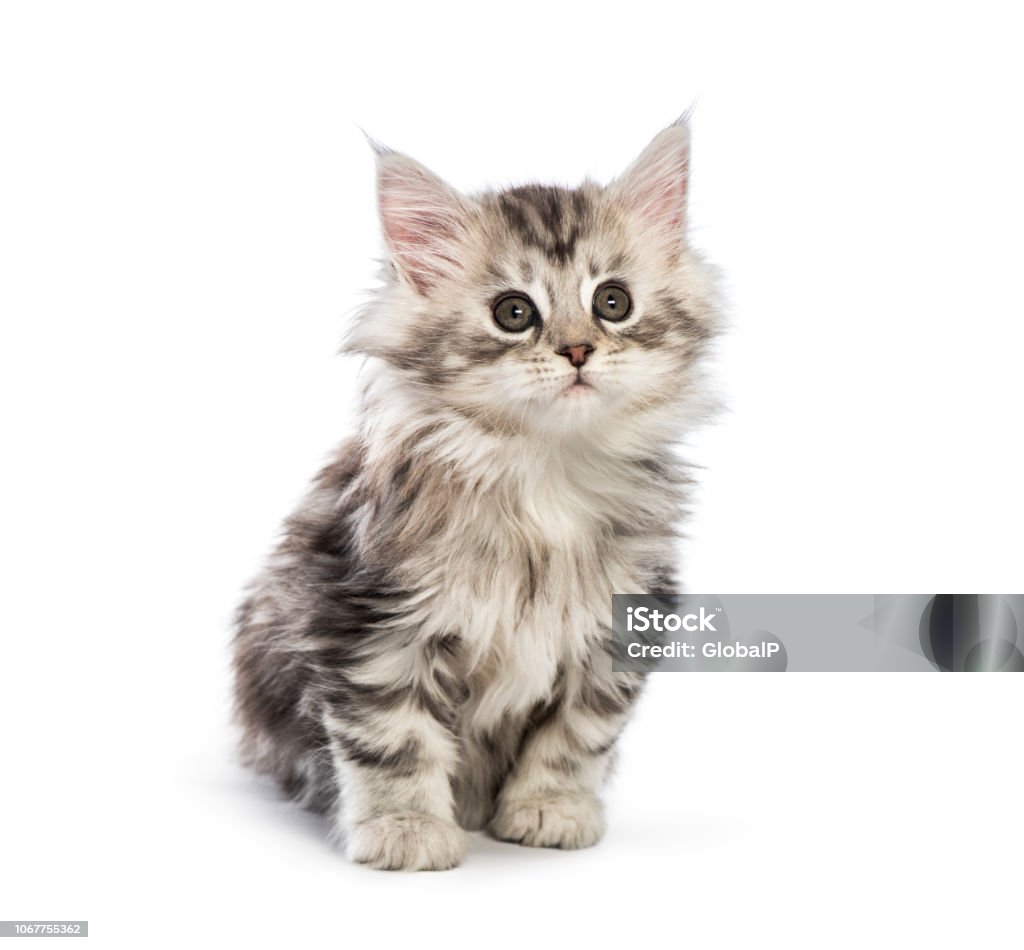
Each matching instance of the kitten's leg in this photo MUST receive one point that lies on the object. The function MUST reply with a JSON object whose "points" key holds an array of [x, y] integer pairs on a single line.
{"points": [[394, 753], [550, 799]]}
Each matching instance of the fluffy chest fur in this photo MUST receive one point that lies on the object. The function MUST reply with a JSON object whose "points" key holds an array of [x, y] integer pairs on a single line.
{"points": [[515, 550]]}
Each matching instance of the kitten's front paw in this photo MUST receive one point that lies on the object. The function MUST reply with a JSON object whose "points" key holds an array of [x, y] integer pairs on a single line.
{"points": [[407, 841], [558, 821]]}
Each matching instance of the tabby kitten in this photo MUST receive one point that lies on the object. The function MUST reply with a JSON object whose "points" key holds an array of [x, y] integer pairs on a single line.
{"points": [[427, 650]]}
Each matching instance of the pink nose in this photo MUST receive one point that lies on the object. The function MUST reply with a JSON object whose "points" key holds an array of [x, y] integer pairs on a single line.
{"points": [[577, 353]]}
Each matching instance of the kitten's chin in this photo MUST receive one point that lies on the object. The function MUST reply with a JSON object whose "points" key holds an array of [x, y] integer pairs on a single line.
{"points": [[580, 397], [574, 406]]}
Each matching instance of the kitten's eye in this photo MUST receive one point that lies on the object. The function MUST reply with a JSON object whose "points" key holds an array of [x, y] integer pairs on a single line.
{"points": [[612, 303], [515, 313]]}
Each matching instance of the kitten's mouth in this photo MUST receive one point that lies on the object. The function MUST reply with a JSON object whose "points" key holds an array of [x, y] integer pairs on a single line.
{"points": [[579, 384]]}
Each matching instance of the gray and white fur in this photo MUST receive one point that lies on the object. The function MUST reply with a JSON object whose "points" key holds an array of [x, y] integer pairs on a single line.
{"points": [[427, 650]]}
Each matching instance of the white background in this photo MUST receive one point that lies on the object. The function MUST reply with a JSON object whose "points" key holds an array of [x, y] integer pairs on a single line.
{"points": [[187, 216]]}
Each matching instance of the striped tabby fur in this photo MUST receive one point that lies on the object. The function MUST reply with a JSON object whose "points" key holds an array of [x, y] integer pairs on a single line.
{"points": [[427, 649]]}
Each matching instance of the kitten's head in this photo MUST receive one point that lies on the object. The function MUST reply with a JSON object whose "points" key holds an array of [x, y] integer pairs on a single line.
{"points": [[542, 308]]}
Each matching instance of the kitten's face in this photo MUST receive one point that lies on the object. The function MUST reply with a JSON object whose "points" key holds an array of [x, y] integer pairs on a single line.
{"points": [[543, 308]]}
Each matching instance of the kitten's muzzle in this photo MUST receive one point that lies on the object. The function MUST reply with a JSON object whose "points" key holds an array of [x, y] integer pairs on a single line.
{"points": [[576, 353]]}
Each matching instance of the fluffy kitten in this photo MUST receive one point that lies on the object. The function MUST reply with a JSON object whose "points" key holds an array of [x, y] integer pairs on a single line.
{"points": [[427, 649]]}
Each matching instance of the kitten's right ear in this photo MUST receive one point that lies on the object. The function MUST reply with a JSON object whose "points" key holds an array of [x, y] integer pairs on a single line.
{"points": [[423, 219]]}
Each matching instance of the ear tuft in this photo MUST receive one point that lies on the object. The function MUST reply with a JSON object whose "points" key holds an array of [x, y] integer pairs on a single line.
{"points": [[379, 148], [656, 184], [423, 219]]}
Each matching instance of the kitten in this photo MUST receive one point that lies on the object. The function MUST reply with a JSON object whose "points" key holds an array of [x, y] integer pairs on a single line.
{"points": [[427, 650]]}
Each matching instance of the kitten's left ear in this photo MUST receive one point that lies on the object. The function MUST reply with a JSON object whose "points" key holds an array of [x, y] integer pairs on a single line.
{"points": [[423, 219], [655, 185]]}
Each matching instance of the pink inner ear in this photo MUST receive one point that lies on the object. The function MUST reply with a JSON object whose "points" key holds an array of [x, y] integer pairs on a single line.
{"points": [[656, 183], [419, 216], [412, 232], [421, 248], [662, 195], [668, 202]]}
